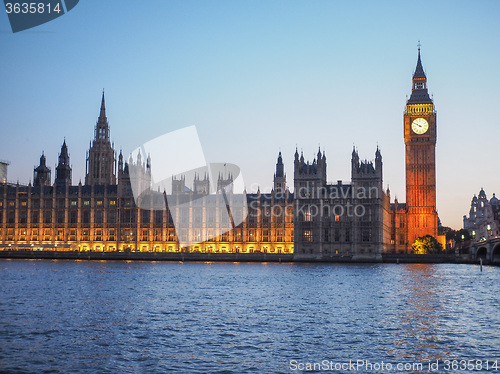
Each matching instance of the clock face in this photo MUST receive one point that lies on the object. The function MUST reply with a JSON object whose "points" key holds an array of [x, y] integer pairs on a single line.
{"points": [[420, 126]]}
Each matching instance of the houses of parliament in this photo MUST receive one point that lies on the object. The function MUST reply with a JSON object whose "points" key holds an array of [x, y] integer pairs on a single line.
{"points": [[317, 220]]}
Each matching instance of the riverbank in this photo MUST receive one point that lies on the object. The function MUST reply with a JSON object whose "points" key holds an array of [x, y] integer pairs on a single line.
{"points": [[228, 257]]}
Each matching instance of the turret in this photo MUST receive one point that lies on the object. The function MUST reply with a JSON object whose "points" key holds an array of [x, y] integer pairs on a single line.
{"points": [[279, 185], [378, 160], [223, 182], [178, 185], [41, 174], [307, 176], [63, 169], [201, 186], [120, 164]]}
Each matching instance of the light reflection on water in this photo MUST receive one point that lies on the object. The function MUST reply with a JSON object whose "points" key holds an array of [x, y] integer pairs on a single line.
{"points": [[236, 318]]}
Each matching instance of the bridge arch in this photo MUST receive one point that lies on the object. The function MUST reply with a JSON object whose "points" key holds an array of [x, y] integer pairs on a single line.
{"points": [[482, 252], [495, 254]]}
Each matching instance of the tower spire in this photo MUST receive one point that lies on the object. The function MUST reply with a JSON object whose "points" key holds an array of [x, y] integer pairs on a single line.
{"points": [[419, 70], [101, 165], [41, 174], [279, 166], [279, 176], [102, 114], [419, 93], [63, 169]]}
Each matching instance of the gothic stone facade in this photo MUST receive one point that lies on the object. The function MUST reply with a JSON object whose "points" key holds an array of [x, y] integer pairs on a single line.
{"points": [[340, 220], [483, 222], [319, 220], [103, 215]]}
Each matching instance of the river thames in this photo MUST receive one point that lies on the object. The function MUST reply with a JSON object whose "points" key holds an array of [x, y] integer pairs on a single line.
{"points": [[137, 317]]}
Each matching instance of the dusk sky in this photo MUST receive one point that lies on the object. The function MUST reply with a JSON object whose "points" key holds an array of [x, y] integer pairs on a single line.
{"points": [[259, 77]]}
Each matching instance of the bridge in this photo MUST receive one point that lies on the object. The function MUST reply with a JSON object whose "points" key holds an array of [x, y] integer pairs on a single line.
{"points": [[488, 250]]}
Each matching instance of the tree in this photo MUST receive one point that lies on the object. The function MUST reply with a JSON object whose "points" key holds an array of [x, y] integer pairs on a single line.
{"points": [[426, 245], [462, 236]]}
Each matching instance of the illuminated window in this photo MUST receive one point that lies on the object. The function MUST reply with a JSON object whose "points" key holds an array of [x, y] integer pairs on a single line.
{"points": [[265, 235], [307, 216], [99, 202], [46, 235], [279, 235], [86, 203], [171, 236], [157, 234], [337, 218], [112, 202], [307, 236]]}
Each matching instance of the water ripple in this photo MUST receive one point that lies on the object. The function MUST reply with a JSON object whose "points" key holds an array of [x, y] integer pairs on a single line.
{"points": [[126, 317]]}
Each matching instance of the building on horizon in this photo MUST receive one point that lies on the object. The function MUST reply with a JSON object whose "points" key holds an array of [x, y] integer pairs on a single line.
{"points": [[483, 228], [3, 171], [483, 222]]}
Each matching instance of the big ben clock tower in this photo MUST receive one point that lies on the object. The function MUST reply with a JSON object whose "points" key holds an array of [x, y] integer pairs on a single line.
{"points": [[420, 133]]}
